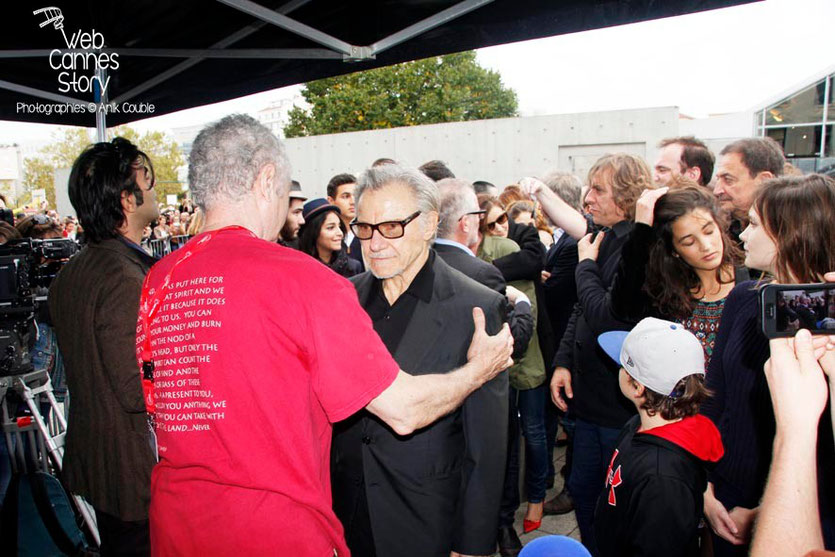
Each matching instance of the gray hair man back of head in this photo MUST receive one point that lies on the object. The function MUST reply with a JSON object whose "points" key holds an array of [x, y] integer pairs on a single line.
{"points": [[457, 197], [226, 157], [567, 186], [424, 190]]}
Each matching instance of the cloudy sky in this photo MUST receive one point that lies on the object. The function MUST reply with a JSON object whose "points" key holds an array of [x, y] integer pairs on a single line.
{"points": [[711, 62]]}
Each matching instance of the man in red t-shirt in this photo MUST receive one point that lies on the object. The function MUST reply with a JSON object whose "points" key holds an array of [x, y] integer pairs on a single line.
{"points": [[257, 350]]}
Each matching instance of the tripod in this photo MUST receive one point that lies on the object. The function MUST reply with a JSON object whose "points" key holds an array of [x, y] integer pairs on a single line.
{"points": [[46, 440]]}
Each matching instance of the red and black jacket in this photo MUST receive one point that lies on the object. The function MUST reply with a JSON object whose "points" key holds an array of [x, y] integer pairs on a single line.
{"points": [[652, 500]]}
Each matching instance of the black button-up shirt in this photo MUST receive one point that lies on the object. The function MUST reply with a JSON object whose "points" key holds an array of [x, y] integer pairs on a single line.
{"points": [[390, 321]]}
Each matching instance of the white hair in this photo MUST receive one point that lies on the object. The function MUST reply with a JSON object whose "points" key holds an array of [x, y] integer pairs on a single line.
{"points": [[425, 190], [226, 157], [457, 197]]}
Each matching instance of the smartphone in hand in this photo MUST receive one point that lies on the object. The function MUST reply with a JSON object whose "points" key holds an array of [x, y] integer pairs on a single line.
{"points": [[786, 308]]}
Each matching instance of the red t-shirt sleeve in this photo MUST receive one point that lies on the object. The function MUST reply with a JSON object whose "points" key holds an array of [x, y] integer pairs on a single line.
{"points": [[351, 365]]}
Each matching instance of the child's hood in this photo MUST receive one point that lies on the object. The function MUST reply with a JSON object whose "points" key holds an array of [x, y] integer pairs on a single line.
{"points": [[695, 434]]}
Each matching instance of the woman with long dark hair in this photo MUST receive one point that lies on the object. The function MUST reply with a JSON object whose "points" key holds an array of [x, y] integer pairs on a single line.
{"points": [[321, 237], [680, 263], [791, 237]]}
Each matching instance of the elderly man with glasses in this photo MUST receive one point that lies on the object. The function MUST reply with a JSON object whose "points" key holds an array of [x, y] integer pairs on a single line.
{"points": [[436, 491], [458, 226]]}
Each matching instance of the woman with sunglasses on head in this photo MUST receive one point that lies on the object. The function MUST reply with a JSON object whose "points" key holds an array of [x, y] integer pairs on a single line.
{"points": [[321, 237], [791, 237], [527, 377]]}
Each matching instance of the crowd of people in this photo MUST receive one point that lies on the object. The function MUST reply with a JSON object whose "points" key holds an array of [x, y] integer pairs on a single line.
{"points": [[240, 395]]}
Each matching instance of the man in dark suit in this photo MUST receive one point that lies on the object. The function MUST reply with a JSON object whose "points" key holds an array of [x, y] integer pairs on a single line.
{"points": [[457, 229], [341, 193], [435, 492], [94, 302]]}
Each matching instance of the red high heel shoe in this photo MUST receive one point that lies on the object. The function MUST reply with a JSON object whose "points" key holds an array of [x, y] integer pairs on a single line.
{"points": [[529, 526]]}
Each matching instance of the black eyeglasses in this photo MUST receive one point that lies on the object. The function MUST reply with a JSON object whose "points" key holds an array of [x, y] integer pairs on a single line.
{"points": [[481, 214], [391, 229], [502, 219]]}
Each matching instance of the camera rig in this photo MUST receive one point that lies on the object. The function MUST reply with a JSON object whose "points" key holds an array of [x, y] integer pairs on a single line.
{"points": [[27, 268]]}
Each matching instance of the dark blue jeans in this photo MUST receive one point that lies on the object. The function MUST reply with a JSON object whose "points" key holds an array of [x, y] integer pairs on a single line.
{"points": [[553, 419], [527, 409], [593, 448]]}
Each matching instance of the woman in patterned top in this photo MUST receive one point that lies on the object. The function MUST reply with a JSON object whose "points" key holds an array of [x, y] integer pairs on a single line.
{"points": [[679, 263]]}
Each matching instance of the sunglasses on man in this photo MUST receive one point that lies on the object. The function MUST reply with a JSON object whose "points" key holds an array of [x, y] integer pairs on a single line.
{"points": [[390, 229]]}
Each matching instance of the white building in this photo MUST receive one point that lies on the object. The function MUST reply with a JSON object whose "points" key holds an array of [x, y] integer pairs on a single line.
{"points": [[274, 116], [11, 172]]}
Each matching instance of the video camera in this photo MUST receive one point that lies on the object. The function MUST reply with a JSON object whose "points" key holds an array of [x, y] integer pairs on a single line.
{"points": [[27, 268]]}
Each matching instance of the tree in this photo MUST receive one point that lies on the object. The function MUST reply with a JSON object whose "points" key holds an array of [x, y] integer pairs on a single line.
{"points": [[68, 143], [165, 155], [38, 173], [451, 88]]}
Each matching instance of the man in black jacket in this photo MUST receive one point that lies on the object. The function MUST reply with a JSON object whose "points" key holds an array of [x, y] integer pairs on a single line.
{"points": [[583, 370], [652, 502], [437, 490]]}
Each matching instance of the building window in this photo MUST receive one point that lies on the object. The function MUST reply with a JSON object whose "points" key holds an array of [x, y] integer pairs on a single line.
{"points": [[798, 141], [803, 108], [830, 116], [803, 125]]}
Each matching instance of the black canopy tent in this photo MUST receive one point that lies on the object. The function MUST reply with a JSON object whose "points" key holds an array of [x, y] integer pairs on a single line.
{"points": [[188, 53]]}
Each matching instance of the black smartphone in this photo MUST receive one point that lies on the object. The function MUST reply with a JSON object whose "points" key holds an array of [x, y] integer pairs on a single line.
{"points": [[786, 308]]}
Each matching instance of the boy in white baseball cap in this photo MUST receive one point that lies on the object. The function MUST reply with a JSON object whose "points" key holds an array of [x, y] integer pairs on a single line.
{"points": [[652, 500]]}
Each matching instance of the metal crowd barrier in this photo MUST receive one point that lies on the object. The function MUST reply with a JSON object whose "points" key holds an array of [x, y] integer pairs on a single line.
{"points": [[160, 247]]}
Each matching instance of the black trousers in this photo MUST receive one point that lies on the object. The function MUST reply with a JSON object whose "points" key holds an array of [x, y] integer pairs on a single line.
{"points": [[358, 533], [121, 538]]}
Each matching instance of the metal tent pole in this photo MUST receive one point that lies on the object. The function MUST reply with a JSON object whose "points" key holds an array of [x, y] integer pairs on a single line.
{"points": [[100, 97]]}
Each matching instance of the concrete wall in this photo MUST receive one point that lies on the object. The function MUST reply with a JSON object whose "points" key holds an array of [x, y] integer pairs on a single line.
{"points": [[718, 131], [499, 151]]}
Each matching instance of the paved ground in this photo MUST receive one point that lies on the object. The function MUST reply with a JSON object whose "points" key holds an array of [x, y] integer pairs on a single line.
{"points": [[564, 524]]}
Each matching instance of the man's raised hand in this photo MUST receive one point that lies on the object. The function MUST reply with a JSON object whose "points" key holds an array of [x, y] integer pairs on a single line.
{"points": [[491, 353]]}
